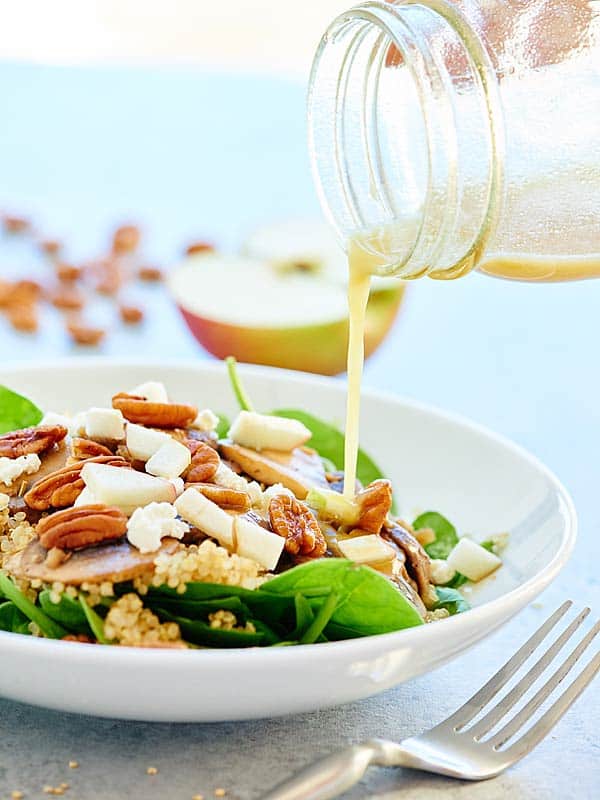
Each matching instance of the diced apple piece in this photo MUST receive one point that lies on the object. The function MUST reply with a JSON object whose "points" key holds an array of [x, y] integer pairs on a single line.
{"points": [[264, 432], [126, 488], [366, 549], [104, 423], [256, 543], [142, 442], [178, 484], [170, 460], [85, 498], [472, 560], [207, 516], [333, 506], [154, 391]]}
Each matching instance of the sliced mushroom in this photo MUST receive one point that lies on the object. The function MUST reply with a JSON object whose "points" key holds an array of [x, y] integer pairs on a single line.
{"points": [[114, 562], [54, 459], [418, 565], [299, 471]]}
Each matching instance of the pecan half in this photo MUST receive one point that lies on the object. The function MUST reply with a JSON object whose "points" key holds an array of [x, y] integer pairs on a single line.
{"points": [[63, 487], [74, 528], [205, 462], [31, 440], [229, 499], [292, 519], [375, 503], [87, 448], [155, 415]]}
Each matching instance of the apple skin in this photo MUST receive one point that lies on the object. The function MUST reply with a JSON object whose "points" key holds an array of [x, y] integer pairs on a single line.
{"points": [[317, 348]]}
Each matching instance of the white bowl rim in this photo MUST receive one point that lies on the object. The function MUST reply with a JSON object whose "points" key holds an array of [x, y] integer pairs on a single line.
{"points": [[478, 616]]}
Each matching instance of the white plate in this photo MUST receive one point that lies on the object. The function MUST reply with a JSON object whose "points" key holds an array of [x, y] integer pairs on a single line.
{"points": [[483, 483]]}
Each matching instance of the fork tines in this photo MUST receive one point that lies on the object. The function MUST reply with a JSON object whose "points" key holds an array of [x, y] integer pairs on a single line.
{"points": [[463, 720]]}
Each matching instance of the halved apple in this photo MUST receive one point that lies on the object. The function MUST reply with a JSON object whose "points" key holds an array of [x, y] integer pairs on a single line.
{"points": [[283, 303]]}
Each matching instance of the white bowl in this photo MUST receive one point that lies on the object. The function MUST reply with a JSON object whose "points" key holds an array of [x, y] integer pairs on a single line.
{"points": [[482, 482]]}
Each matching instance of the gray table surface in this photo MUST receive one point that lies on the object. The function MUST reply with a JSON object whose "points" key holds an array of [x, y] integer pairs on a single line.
{"points": [[196, 154]]}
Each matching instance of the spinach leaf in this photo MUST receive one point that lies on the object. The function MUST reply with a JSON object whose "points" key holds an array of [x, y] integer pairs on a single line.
{"points": [[328, 441], [13, 620], [451, 600], [244, 401], [304, 616], [16, 411], [267, 607], [367, 602], [318, 625], [68, 612], [48, 626], [200, 632], [445, 534], [458, 580], [95, 621]]}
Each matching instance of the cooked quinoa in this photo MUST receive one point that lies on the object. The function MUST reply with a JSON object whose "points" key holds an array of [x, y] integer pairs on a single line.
{"points": [[129, 623]]}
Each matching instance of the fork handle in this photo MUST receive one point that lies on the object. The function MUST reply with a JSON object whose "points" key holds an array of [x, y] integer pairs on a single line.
{"points": [[336, 773]]}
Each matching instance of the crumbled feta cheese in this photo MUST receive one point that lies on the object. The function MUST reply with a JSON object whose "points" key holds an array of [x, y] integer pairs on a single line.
{"points": [[52, 418], [441, 571], [170, 460], [13, 468], [154, 391], [4, 501], [224, 476], [104, 423], [205, 421], [265, 432], [147, 526], [262, 503]]}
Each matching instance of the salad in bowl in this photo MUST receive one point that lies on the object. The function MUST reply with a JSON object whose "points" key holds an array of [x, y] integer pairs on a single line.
{"points": [[158, 523]]}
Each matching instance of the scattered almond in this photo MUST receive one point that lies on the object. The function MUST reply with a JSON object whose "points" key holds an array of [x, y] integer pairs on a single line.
{"points": [[85, 334], [150, 274], [14, 224], [24, 318], [199, 247], [68, 272], [126, 239], [67, 298], [131, 315], [50, 246]]}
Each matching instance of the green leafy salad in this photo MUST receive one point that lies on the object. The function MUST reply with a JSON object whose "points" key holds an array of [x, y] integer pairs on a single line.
{"points": [[154, 522]]}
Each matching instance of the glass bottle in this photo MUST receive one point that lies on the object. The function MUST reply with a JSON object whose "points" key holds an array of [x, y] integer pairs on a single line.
{"points": [[451, 135]]}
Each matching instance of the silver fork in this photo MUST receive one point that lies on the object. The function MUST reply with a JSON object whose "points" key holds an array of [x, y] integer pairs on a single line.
{"points": [[453, 749]]}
